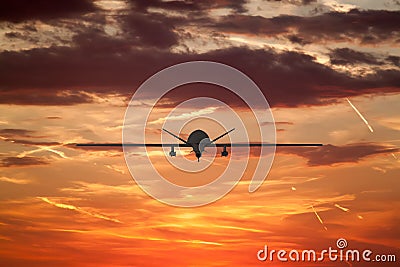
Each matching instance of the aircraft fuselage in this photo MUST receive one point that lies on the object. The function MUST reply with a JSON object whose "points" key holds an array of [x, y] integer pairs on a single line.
{"points": [[198, 139]]}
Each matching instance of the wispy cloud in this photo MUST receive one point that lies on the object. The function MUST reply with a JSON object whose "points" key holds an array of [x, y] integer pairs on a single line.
{"points": [[5, 238], [186, 116], [379, 169], [78, 209], [115, 168], [14, 180]]}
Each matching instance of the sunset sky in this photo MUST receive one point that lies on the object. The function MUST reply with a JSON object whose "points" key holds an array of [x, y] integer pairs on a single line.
{"points": [[68, 69]]}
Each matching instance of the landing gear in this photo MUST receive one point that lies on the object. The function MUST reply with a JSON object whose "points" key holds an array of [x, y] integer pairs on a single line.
{"points": [[172, 153], [224, 153]]}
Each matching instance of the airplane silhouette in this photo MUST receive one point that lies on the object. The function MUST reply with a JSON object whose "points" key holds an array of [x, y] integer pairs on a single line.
{"points": [[198, 140]]}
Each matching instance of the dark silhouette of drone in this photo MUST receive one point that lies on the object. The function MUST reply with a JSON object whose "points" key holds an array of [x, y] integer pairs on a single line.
{"points": [[198, 140]]}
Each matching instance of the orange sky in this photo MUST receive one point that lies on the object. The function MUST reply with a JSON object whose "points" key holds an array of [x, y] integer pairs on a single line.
{"points": [[64, 206]]}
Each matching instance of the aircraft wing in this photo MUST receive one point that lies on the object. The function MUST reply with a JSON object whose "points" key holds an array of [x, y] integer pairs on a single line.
{"points": [[187, 145], [131, 145], [261, 144]]}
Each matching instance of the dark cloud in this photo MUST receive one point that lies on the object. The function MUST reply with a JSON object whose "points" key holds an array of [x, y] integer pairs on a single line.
{"points": [[188, 5], [139, 30], [13, 35], [370, 26], [108, 68], [143, 5], [291, 79], [297, 40], [395, 60], [294, 2], [53, 118], [330, 154], [152, 30], [102, 64], [20, 162], [16, 133], [345, 56], [20, 10], [236, 5]]}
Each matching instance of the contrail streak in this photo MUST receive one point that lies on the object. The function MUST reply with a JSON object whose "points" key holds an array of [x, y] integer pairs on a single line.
{"points": [[78, 209], [147, 238], [361, 116], [319, 218], [58, 152], [43, 148], [341, 208]]}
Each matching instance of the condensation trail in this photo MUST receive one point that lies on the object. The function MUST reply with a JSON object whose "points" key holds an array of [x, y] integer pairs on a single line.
{"points": [[361, 116], [341, 208], [319, 218], [394, 156], [43, 148], [50, 148], [78, 209], [58, 152]]}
